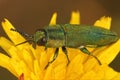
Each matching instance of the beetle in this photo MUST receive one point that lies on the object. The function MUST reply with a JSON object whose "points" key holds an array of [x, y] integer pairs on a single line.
{"points": [[72, 36]]}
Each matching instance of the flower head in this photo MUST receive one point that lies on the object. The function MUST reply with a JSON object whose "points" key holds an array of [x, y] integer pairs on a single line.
{"points": [[28, 63]]}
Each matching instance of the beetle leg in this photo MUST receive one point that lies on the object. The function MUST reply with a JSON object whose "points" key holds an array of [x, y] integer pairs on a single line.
{"points": [[84, 50], [66, 53], [54, 58]]}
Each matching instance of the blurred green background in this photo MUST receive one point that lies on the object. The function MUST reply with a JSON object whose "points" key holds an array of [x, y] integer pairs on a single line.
{"points": [[29, 15]]}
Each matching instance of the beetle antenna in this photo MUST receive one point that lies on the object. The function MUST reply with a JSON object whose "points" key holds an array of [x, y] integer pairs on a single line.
{"points": [[24, 42], [22, 33]]}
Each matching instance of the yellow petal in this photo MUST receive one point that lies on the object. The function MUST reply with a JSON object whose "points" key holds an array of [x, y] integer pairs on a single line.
{"points": [[43, 60], [60, 71], [49, 74], [75, 17], [117, 77], [60, 65], [103, 72], [20, 67], [14, 36], [75, 68], [104, 22], [109, 72], [5, 44], [9, 48], [38, 71], [53, 19], [28, 58], [109, 53], [5, 62], [89, 76], [33, 76]]}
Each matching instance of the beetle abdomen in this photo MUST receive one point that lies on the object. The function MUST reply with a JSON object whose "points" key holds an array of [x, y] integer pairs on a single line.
{"points": [[77, 35]]}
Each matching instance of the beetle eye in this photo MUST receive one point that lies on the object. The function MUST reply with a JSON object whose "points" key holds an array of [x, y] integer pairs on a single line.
{"points": [[42, 41]]}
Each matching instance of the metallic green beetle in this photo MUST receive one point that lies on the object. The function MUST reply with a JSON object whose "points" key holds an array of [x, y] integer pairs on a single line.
{"points": [[72, 36]]}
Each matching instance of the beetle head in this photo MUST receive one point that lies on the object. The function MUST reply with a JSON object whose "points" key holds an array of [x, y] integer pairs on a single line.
{"points": [[39, 38]]}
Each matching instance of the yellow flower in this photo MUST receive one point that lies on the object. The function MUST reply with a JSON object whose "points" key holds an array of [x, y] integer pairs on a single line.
{"points": [[27, 63]]}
